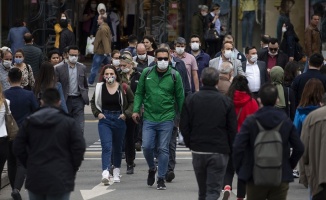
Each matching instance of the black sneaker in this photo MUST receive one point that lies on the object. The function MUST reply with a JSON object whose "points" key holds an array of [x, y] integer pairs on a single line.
{"points": [[130, 169], [151, 177], [16, 195], [169, 176], [161, 184]]}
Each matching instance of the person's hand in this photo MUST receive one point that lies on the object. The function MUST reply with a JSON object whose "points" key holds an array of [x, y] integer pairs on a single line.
{"points": [[216, 17], [291, 59], [135, 117], [268, 70], [101, 116], [122, 116], [257, 21]]}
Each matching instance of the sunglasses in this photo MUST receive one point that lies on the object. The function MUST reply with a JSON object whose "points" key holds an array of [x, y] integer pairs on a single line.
{"points": [[124, 58], [273, 49], [162, 58]]}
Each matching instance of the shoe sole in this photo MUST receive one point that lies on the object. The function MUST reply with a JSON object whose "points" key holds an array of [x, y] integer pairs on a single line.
{"points": [[161, 188], [226, 195], [117, 181], [105, 181]]}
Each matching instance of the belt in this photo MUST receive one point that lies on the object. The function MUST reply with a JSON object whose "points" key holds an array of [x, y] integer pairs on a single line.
{"points": [[74, 97]]}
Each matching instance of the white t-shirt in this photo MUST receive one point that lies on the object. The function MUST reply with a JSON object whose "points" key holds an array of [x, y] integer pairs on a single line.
{"points": [[3, 130]]}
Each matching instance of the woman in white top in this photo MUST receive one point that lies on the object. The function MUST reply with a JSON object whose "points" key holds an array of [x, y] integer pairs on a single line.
{"points": [[3, 133]]}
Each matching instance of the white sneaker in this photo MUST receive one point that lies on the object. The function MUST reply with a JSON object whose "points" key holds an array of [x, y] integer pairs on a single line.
{"points": [[116, 175], [105, 177]]}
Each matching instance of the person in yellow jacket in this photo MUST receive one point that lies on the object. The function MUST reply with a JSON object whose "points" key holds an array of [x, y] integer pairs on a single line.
{"points": [[58, 29]]}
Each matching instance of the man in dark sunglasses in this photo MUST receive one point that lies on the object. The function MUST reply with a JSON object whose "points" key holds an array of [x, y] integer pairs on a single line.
{"points": [[273, 56]]}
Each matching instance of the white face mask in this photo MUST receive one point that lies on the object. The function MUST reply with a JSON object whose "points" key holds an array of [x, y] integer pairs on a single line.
{"points": [[126, 70], [227, 54], [179, 50], [283, 29], [110, 80], [324, 62], [254, 58], [73, 59], [6, 64], [142, 57], [272, 54], [63, 17], [194, 46], [115, 62], [162, 65]]}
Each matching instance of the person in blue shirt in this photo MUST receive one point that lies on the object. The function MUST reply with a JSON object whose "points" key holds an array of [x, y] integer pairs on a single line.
{"points": [[16, 35]]}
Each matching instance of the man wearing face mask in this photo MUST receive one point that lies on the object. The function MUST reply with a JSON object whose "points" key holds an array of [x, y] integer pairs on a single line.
{"points": [[5, 66], [72, 76], [198, 23], [102, 47], [255, 71], [274, 56], [142, 58], [159, 89], [189, 60], [226, 55], [201, 57]]}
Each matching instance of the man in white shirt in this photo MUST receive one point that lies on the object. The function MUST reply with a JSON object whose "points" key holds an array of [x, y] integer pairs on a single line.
{"points": [[255, 70]]}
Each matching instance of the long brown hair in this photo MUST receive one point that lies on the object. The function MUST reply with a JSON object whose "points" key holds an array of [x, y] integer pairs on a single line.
{"points": [[46, 78], [312, 93]]}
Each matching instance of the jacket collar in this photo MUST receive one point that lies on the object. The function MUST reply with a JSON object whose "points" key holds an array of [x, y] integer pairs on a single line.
{"points": [[209, 88]]}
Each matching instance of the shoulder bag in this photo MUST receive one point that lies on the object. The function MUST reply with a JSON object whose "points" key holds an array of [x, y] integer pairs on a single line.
{"points": [[11, 125]]}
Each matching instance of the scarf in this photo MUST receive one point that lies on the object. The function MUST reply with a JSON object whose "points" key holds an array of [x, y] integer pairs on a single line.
{"points": [[277, 75]]}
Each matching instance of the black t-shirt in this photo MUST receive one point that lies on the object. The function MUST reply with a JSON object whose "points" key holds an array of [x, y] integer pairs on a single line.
{"points": [[110, 101]]}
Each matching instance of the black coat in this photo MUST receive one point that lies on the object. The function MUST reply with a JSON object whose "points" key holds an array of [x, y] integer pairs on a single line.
{"points": [[262, 69], [243, 147], [67, 38], [208, 121], [51, 146], [281, 58]]}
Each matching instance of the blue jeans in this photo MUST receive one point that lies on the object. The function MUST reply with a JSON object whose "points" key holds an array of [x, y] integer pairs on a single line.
{"points": [[248, 21], [33, 196], [157, 134], [112, 133], [98, 59]]}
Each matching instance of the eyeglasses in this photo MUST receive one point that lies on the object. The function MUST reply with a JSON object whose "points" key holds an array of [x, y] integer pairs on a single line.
{"points": [[124, 58], [162, 58], [273, 49]]}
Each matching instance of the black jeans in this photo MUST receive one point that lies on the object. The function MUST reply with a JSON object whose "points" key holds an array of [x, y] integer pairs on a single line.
{"points": [[129, 141], [16, 171], [209, 170], [4, 148]]}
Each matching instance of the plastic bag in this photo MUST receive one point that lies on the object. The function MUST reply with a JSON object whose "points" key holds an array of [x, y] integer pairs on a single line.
{"points": [[90, 45]]}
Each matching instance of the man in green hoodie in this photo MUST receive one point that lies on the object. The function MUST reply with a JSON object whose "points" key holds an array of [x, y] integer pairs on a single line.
{"points": [[159, 89]]}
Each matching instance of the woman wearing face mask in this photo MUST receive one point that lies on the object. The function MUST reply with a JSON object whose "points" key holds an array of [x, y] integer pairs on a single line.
{"points": [[115, 62], [112, 104], [149, 44], [58, 28], [28, 80], [130, 77], [5, 66], [198, 23]]}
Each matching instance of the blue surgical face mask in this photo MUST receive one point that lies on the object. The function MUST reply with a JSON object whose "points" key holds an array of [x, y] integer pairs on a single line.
{"points": [[19, 60]]}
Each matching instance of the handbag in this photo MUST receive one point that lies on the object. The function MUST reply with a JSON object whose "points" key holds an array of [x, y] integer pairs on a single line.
{"points": [[211, 35], [11, 125]]}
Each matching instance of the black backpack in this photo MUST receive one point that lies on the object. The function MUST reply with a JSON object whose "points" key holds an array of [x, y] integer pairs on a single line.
{"points": [[268, 155]]}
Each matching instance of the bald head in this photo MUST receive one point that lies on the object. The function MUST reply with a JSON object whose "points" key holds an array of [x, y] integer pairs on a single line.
{"points": [[28, 37], [141, 49], [225, 68]]}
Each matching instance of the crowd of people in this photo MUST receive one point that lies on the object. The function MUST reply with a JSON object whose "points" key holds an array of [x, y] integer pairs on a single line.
{"points": [[148, 95]]}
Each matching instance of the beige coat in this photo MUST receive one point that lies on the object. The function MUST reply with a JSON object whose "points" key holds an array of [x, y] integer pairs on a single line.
{"points": [[313, 161]]}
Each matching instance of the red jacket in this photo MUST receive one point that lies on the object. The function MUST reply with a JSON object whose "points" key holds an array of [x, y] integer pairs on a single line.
{"points": [[249, 106]]}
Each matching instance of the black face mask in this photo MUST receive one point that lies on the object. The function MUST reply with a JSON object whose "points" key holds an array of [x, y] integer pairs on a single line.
{"points": [[63, 23]]}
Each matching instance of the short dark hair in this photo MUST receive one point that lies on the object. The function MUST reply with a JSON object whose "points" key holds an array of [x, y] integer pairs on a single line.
{"points": [[53, 52], [20, 51], [249, 48], [215, 5], [273, 41], [316, 60], [117, 75], [161, 50], [194, 36], [73, 47], [51, 96], [223, 45], [28, 37], [268, 94], [164, 45], [63, 23], [15, 75], [132, 39], [312, 16], [209, 76], [265, 39]]}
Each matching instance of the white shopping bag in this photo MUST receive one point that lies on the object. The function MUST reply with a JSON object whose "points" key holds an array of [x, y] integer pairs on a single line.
{"points": [[90, 45]]}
